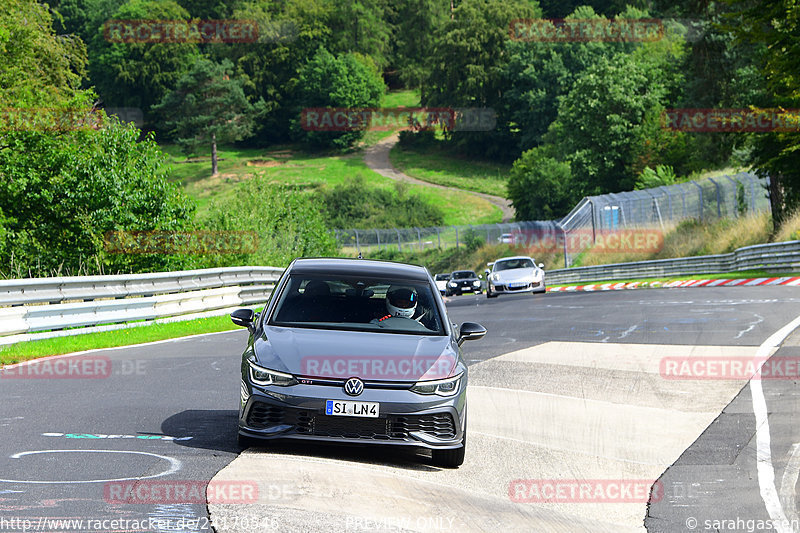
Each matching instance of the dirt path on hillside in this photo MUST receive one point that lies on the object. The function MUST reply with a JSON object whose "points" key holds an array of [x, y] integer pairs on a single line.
{"points": [[377, 158]]}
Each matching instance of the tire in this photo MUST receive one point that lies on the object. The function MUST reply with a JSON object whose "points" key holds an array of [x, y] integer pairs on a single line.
{"points": [[489, 293], [450, 458]]}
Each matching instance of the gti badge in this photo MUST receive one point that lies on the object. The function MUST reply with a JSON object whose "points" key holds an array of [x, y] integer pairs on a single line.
{"points": [[353, 386]]}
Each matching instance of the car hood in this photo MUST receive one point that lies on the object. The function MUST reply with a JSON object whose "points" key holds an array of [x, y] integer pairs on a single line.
{"points": [[517, 274], [344, 354]]}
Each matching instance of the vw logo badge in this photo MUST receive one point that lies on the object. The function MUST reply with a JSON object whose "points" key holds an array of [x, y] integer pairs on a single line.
{"points": [[353, 386]]}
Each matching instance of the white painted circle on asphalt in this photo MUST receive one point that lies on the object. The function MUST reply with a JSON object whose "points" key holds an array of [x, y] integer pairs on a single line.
{"points": [[175, 465]]}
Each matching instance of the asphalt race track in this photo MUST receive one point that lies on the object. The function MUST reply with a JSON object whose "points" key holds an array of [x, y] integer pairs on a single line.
{"points": [[567, 390]]}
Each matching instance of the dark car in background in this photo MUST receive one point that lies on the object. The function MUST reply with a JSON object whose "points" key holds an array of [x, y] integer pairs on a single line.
{"points": [[462, 281], [356, 351]]}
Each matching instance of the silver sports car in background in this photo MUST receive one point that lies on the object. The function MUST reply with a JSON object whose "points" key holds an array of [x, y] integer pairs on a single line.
{"points": [[356, 351], [514, 274]]}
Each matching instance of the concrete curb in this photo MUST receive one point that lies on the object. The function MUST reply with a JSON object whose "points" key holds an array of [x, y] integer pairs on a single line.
{"points": [[753, 282]]}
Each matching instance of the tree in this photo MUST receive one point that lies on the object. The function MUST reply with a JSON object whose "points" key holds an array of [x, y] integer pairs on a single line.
{"points": [[363, 27], [269, 68], [345, 81], [61, 193], [140, 74], [38, 68], [418, 24], [600, 124], [467, 66], [541, 187], [208, 106], [774, 27]]}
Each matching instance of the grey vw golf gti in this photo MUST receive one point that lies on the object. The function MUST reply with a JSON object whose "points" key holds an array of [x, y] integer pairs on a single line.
{"points": [[356, 351]]}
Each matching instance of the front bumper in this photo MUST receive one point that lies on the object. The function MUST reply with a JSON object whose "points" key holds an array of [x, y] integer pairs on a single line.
{"points": [[406, 418], [502, 288], [464, 288]]}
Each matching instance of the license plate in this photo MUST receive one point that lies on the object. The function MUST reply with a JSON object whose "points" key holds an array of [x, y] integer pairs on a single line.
{"points": [[518, 284], [347, 408]]}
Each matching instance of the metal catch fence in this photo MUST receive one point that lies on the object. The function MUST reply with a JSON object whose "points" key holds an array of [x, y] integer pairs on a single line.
{"points": [[657, 208]]}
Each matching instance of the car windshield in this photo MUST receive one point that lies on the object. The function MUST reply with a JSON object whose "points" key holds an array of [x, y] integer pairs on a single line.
{"points": [[464, 274], [513, 263], [357, 304], [442, 277]]}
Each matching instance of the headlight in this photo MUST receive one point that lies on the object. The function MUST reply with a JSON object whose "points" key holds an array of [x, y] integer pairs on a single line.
{"points": [[263, 376], [495, 277], [442, 387], [453, 284], [476, 283]]}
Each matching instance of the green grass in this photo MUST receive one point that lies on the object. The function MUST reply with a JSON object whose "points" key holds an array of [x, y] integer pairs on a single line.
{"points": [[24, 351], [435, 164], [407, 98], [290, 165]]}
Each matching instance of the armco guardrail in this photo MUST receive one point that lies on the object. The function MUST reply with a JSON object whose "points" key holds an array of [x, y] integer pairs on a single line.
{"points": [[45, 304], [784, 256]]}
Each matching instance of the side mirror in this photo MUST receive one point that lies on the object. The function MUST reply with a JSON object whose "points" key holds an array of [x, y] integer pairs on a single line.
{"points": [[541, 265], [470, 331], [243, 317], [490, 264]]}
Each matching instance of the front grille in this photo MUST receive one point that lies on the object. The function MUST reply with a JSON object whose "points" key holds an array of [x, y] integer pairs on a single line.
{"points": [[264, 415], [439, 425], [393, 427]]}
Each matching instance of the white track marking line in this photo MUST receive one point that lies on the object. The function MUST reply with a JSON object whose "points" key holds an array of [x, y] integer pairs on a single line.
{"points": [[175, 465], [93, 350], [766, 472], [788, 482], [750, 326]]}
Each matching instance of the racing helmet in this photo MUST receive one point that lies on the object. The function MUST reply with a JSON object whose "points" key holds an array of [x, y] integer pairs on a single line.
{"points": [[401, 301]]}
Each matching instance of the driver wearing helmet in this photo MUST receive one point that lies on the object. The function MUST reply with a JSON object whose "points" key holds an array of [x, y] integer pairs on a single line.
{"points": [[401, 302]]}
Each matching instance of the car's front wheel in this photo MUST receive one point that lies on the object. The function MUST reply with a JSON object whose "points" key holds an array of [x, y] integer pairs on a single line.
{"points": [[450, 458], [489, 293]]}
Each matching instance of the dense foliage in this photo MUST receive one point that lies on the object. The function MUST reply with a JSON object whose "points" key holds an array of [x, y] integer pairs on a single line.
{"points": [[577, 118]]}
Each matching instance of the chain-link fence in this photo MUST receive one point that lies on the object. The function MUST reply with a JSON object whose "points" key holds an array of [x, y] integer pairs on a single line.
{"points": [[658, 208]]}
